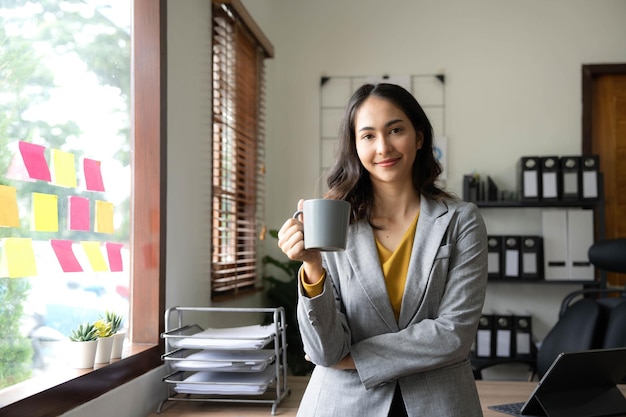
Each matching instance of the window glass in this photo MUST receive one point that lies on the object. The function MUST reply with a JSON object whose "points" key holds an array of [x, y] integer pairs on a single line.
{"points": [[65, 175]]}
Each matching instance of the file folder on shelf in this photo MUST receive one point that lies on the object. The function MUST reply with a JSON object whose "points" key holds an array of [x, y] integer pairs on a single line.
{"points": [[511, 252], [554, 226], [590, 166], [523, 336], [485, 342], [494, 257], [532, 257], [550, 178], [504, 336], [579, 240], [570, 177], [529, 178]]}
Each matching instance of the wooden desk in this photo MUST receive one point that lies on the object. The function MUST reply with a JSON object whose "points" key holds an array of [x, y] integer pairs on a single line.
{"points": [[491, 393]]}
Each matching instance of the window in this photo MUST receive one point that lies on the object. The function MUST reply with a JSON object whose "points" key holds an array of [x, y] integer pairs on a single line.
{"points": [[146, 257], [239, 50], [65, 174]]}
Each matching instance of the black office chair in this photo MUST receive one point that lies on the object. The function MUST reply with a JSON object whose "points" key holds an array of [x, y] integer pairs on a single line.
{"points": [[615, 334], [609, 255], [574, 331], [598, 319]]}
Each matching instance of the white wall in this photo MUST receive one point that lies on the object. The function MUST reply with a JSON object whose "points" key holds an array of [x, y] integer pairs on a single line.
{"points": [[513, 88]]}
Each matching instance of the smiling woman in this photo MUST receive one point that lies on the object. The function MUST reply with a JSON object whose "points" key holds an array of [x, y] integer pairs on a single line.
{"points": [[66, 237]]}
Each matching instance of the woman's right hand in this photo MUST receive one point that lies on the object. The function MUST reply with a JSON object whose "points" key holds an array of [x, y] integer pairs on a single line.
{"points": [[291, 242]]}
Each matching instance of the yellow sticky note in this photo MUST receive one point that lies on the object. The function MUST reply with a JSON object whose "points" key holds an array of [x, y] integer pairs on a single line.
{"points": [[63, 169], [96, 259], [104, 217], [8, 207], [45, 212], [18, 258]]}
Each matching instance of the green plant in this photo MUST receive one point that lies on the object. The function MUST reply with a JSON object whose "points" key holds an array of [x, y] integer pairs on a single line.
{"points": [[115, 320], [284, 292], [85, 332], [16, 350], [103, 328]]}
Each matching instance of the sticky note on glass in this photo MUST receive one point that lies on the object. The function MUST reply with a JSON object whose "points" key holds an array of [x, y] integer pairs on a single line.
{"points": [[65, 255], [45, 215], [93, 175], [94, 255], [35, 161], [104, 217], [18, 258], [9, 216], [63, 169], [78, 212], [114, 253]]}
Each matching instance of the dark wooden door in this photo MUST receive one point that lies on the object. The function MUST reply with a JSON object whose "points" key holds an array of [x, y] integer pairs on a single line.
{"points": [[604, 134]]}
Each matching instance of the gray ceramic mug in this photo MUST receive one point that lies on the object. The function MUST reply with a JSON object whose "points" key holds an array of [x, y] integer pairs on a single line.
{"points": [[325, 224]]}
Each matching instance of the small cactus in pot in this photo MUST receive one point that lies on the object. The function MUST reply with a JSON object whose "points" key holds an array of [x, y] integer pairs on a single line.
{"points": [[85, 332]]}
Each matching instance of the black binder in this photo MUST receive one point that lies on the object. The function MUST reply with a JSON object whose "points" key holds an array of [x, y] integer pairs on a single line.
{"points": [[524, 346], [495, 265], [531, 257], [529, 178], [471, 188], [550, 178], [511, 256], [505, 343], [590, 177], [485, 341], [571, 177]]}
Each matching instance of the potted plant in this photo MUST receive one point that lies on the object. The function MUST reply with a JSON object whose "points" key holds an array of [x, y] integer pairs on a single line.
{"points": [[84, 342], [105, 341], [119, 334]]}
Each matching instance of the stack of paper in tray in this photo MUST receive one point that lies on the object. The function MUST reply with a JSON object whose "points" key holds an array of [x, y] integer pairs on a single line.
{"points": [[207, 382]]}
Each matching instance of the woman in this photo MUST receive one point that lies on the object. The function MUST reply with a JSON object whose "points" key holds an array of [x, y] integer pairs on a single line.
{"points": [[390, 321]]}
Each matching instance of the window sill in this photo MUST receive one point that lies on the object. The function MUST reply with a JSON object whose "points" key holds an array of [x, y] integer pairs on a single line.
{"points": [[63, 391]]}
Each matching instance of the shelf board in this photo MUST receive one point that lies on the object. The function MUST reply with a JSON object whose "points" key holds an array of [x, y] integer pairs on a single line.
{"points": [[536, 204], [543, 281]]}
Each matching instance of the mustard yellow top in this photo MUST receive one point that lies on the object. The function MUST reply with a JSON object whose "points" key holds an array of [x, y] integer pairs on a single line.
{"points": [[395, 267]]}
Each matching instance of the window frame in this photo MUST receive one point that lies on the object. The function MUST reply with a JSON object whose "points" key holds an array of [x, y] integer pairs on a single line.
{"points": [[66, 392]]}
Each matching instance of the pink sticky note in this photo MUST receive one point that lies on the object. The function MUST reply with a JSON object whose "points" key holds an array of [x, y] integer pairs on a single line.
{"points": [[35, 161], [114, 253], [93, 175], [78, 208], [65, 255]]}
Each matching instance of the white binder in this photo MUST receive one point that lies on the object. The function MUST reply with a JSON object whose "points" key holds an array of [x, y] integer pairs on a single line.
{"points": [[554, 226], [579, 240]]}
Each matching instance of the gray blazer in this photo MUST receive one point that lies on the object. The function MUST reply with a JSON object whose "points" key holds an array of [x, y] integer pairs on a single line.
{"points": [[426, 350]]}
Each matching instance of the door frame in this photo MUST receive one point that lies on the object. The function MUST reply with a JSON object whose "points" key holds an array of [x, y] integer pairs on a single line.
{"points": [[589, 73]]}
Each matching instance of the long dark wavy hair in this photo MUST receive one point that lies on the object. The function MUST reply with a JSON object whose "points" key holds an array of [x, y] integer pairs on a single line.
{"points": [[349, 180]]}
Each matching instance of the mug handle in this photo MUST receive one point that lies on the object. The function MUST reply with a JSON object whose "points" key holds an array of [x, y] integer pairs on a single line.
{"points": [[297, 213]]}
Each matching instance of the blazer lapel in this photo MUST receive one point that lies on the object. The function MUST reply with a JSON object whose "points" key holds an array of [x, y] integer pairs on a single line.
{"points": [[431, 227], [363, 258]]}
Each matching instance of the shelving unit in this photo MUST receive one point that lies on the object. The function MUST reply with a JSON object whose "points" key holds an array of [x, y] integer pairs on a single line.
{"points": [[596, 205], [246, 364]]}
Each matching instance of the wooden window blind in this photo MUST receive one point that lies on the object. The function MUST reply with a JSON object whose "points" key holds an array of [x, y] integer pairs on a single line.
{"points": [[238, 153]]}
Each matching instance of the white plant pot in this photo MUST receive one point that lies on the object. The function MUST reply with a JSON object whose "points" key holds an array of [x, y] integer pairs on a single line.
{"points": [[82, 354], [118, 344], [103, 352]]}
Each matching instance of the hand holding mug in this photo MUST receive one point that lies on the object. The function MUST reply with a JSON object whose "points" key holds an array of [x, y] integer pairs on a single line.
{"points": [[323, 227]]}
